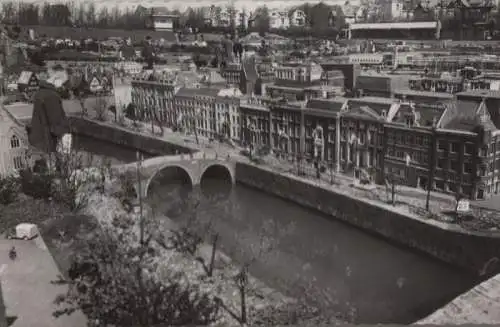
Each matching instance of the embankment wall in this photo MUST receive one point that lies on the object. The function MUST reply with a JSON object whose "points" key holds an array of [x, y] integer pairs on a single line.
{"points": [[125, 137], [449, 243]]}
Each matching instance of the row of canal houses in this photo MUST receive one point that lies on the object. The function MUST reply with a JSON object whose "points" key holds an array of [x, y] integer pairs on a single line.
{"points": [[449, 142]]}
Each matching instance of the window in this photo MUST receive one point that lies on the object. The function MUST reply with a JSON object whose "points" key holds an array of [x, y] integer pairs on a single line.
{"points": [[442, 145], [483, 151], [454, 165], [371, 137], [399, 138], [18, 162], [469, 148], [419, 140], [427, 141], [454, 147], [362, 137], [441, 163], [425, 158], [467, 168], [14, 142], [480, 194]]}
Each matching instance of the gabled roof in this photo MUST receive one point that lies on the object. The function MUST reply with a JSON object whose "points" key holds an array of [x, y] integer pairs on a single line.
{"points": [[463, 117], [364, 111], [484, 118], [427, 114], [375, 104], [26, 110], [334, 105]]}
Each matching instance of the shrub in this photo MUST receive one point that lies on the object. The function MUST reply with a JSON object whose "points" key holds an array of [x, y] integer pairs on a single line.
{"points": [[36, 184], [9, 189]]}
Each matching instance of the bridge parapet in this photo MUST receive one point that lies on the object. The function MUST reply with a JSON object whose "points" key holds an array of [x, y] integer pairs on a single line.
{"points": [[195, 165]]}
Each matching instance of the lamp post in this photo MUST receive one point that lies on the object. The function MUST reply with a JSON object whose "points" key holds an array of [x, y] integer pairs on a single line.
{"points": [[251, 135], [302, 144], [432, 164], [194, 123], [318, 149]]}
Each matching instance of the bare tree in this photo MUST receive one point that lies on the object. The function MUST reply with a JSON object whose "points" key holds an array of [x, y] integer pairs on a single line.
{"points": [[269, 238], [81, 99], [112, 278], [391, 183], [100, 106], [76, 176], [155, 118]]}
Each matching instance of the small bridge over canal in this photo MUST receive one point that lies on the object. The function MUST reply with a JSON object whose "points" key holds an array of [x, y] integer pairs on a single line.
{"points": [[188, 168]]}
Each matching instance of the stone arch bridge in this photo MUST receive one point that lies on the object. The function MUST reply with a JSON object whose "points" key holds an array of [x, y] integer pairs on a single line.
{"points": [[192, 168]]}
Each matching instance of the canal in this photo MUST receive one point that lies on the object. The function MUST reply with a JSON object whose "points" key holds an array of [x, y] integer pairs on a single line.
{"points": [[361, 277]]}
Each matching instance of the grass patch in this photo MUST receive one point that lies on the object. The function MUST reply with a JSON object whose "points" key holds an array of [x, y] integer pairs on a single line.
{"points": [[25, 209], [59, 235]]}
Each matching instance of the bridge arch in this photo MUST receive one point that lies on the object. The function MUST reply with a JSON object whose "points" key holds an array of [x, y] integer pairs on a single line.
{"points": [[169, 173], [217, 171]]}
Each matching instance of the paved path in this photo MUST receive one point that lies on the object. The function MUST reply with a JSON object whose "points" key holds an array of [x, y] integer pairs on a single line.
{"points": [[478, 306], [28, 293]]}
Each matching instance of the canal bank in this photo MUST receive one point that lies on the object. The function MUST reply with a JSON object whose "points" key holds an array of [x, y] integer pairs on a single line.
{"points": [[363, 278], [446, 242]]}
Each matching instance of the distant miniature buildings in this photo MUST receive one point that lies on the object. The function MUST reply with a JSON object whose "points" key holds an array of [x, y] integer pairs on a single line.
{"points": [[161, 20], [298, 18], [279, 19], [28, 82], [402, 30]]}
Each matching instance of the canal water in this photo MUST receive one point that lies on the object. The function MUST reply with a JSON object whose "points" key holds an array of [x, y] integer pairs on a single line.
{"points": [[303, 253]]}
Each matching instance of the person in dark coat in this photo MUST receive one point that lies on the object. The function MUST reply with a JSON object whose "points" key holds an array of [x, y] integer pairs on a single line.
{"points": [[148, 53], [49, 124]]}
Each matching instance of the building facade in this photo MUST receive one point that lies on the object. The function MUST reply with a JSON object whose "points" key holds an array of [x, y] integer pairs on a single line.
{"points": [[152, 95], [255, 118], [14, 143], [300, 82], [448, 142], [212, 113]]}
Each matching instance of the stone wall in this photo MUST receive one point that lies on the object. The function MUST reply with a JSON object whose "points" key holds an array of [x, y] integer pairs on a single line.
{"points": [[125, 137], [452, 245]]}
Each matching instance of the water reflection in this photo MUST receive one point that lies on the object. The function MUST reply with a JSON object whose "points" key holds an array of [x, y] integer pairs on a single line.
{"points": [[361, 277]]}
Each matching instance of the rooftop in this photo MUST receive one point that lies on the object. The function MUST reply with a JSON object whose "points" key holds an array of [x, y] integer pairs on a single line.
{"points": [[394, 26], [423, 94], [334, 105], [202, 91], [491, 94]]}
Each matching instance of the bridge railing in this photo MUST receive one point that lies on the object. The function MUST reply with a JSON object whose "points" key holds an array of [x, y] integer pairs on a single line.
{"points": [[206, 156]]}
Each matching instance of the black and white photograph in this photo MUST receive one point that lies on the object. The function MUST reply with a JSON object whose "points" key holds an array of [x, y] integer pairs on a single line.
{"points": [[247, 163]]}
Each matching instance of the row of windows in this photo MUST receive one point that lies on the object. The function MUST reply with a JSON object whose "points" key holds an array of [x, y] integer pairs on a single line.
{"points": [[408, 139], [455, 147]]}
